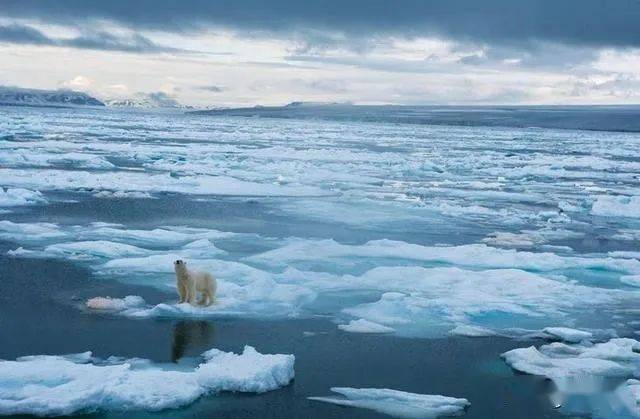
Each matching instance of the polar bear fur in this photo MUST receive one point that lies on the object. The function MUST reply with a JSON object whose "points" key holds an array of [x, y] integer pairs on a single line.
{"points": [[191, 282]]}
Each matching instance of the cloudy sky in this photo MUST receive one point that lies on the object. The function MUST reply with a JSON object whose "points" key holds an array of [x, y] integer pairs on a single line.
{"points": [[245, 52]]}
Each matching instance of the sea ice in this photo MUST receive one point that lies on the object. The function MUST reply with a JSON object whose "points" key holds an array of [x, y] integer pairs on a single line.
{"points": [[617, 206], [115, 304], [586, 373], [364, 326], [559, 362], [471, 255], [633, 280], [62, 385], [397, 403], [472, 331], [100, 248], [567, 334], [11, 197]]}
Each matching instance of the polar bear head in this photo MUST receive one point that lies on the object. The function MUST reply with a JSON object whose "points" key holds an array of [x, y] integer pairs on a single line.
{"points": [[180, 266]]}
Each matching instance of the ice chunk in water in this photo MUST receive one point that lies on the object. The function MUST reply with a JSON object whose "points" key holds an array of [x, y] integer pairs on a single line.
{"points": [[60, 385], [472, 331], [101, 248], [586, 371], [617, 206], [18, 196], [364, 326], [117, 304], [567, 334], [397, 403], [633, 280]]}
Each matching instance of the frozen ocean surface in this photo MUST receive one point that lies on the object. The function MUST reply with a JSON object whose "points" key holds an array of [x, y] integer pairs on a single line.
{"points": [[403, 229]]}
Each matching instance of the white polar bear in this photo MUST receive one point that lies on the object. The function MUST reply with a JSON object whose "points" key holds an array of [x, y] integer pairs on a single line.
{"points": [[191, 282]]}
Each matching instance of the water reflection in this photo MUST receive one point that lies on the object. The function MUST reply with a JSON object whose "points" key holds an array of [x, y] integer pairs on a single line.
{"points": [[193, 337]]}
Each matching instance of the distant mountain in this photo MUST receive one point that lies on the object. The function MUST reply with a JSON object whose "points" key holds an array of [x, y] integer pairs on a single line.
{"points": [[147, 100], [129, 103], [33, 97], [277, 111]]}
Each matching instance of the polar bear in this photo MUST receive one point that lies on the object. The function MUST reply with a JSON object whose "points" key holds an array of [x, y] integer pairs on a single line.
{"points": [[191, 282]]}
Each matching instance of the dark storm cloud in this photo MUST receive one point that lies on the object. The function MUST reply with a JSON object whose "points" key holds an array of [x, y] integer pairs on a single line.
{"points": [[588, 22], [21, 34]]}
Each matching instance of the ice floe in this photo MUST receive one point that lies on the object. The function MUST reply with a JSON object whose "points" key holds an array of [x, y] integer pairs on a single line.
{"points": [[122, 194], [617, 206], [48, 179], [583, 371], [471, 255], [115, 304], [101, 248], [633, 280], [11, 197], [412, 289], [568, 334], [397, 403], [364, 326], [60, 385], [472, 331]]}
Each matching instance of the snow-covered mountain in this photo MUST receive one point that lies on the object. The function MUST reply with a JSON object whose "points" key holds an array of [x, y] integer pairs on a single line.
{"points": [[147, 100], [36, 97], [129, 103]]}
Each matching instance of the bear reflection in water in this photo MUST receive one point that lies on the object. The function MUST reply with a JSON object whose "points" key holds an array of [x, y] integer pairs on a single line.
{"points": [[191, 338]]}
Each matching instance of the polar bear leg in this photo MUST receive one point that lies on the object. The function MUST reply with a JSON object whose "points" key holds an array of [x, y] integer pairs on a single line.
{"points": [[181, 293]]}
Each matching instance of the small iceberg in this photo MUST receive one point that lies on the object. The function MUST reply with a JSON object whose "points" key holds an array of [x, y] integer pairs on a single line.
{"points": [[365, 326], [567, 334], [397, 403]]}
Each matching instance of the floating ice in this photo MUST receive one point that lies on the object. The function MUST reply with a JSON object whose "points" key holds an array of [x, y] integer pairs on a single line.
{"points": [[585, 371], [364, 326], [472, 331], [528, 238], [115, 304], [617, 206], [100, 248], [61, 385], [472, 255], [397, 403], [166, 236], [567, 334], [121, 194], [70, 159], [560, 362], [11, 197], [47, 179], [456, 295], [30, 232], [633, 280]]}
